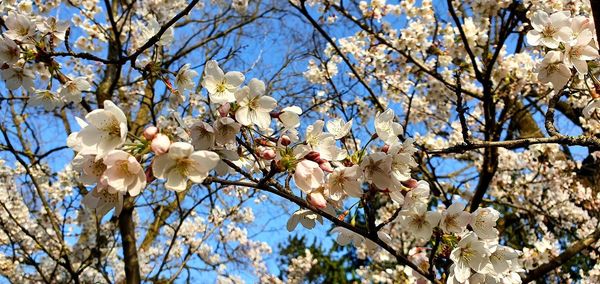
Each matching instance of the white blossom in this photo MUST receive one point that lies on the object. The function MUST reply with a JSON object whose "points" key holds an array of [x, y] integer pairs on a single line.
{"points": [[185, 78], [338, 127], [386, 128], [182, 163], [483, 221], [255, 107], [307, 218], [123, 173], [107, 130], [72, 89], [221, 86], [549, 30], [469, 254]]}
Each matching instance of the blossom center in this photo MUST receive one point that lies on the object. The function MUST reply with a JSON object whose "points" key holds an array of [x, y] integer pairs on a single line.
{"points": [[549, 31], [221, 87], [113, 128], [183, 166]]}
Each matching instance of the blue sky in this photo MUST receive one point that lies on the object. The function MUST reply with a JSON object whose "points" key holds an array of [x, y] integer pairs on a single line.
{"points": [[260, 56]]}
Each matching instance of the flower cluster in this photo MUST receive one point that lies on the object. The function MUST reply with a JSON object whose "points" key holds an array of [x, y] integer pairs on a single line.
{"points": [[24, 52], [569, 42]]}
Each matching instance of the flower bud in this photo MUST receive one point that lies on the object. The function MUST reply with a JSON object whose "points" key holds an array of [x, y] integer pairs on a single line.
{"points": [[263, 142], [411, 183], [285, 140], [267, 154], [317, 199], [150, 132], [160, 144], [325, 166], [313, 156], [224, 109], [385, 148]]}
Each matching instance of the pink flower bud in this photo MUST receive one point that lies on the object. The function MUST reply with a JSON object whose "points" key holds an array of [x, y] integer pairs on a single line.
{"points": [[150, 132], [411, 183], [285, 140], [313, 156], [160, 144], [325, 166], [268, 154], [385, 148], [224, 109], [317, 199]]}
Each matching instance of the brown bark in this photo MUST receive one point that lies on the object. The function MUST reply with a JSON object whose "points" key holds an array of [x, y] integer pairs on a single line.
{"points": [[127, 228]]}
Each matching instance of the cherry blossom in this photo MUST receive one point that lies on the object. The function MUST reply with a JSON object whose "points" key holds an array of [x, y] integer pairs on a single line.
{"points": [[386, 128], [185, 78], [19, 27], [455, 219], [45, 98], [254, 105], [580, 52], [376, 168], [9, 51], [16, 77], [470, 254], [339, 128], [308, 176], [553, 70], [221, 86], [549, 30], [182, 163], [123, 173], [103, 201], [107, 130], [483, 221], [307, 218], [226, 130], [344, 180], [290, 116], [420, 222], [72, 89]]}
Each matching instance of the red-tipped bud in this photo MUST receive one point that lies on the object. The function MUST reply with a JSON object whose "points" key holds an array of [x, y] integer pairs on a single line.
{"points": [[285, 140], [267, 154], [325, 166], [224, 109], [263, 142], [313, 156], [385, 148], [160, 144], [150, 132], [411, 183], [317, 199]]}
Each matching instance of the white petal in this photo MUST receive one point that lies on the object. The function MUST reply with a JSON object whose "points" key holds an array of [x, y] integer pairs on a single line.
{"points": [[257, 87], [234, 79], [205, 160], [161, 165], [179, 150], [212, 69], [266, 104], [175, 181]]}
